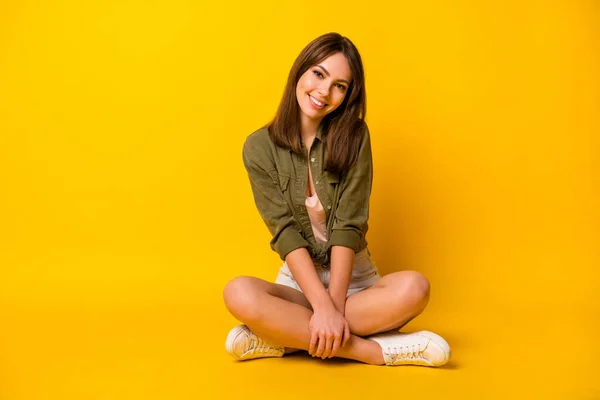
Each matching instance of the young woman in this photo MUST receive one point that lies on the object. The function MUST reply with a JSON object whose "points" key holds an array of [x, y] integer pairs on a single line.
{"points": [[311, 172]]}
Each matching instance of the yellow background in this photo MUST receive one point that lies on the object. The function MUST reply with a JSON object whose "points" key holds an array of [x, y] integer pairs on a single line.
{"points": [[125, 207]]}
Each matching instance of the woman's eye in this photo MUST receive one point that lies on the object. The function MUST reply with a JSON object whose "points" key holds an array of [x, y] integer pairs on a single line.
{"points": [[320, 75], [341, 87]]}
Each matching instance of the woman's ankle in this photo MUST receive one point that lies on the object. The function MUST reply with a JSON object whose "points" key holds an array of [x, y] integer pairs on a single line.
{"points": [[363, 350], [376, 354], [290, 350]]}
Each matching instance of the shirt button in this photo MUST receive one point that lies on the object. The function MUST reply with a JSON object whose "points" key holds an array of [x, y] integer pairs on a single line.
{"points": [[317, 182], [329, 206], [313, 159]]}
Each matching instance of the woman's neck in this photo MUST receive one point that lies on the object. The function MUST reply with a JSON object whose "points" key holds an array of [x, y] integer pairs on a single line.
{"points": [[309, 126], [309, 129], [307, 139]]}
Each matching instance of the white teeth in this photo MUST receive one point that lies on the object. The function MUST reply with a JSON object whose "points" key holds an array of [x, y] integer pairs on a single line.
{"points": [[316, 102]]}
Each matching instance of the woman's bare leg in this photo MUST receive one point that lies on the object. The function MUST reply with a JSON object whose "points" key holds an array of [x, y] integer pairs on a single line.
{"points": [[389, 304], [266, 309]]}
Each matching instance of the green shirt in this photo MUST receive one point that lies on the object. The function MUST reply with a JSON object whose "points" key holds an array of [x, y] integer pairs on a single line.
{"points": [[279, 178]]}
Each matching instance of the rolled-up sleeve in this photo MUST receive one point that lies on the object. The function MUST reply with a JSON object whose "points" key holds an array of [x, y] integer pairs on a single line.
{"points": [[352, 214], [268, 196]]}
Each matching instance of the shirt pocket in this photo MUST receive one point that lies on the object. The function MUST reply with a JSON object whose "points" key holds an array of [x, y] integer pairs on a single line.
{"points": [[285, 185], [284, 182], [332, 178], [333, 181]]}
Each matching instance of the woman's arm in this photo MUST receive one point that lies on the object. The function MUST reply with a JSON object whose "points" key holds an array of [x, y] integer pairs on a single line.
{"points": [[302, 268], [351, 222], [268, 196], [342, 262], [329, 330]]}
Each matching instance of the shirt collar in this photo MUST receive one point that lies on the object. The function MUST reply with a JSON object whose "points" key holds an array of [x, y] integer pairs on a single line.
{"points": [[319, 132], [319, 136]]}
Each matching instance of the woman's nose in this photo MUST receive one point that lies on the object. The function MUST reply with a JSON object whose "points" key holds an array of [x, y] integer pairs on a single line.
{"points": [[324, 89]]}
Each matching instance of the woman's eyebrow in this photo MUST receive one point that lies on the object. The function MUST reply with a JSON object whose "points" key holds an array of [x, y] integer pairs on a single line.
{"points": [[328, 74]]}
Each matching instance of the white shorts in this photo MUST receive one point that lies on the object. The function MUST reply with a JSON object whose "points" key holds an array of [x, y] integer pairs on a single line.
{"points": [[364, 274]]}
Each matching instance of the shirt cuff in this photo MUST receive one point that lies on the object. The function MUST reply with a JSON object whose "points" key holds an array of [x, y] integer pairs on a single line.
{"points": [[289, 240], [346, 238]]}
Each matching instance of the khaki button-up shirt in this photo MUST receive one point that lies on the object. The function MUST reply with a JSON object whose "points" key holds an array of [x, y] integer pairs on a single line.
{"points": [[279, 178]]}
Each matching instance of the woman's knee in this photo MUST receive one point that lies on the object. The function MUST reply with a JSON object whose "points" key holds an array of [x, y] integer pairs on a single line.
{"points": [[414, 288], [241, 296]]}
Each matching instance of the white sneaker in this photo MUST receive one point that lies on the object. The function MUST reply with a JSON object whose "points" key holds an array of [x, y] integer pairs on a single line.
{"points": [[243, 344], [418, 348]]}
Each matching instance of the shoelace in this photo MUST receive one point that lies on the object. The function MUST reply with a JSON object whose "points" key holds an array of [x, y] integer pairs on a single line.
{"points": [[258, 345], [405, 352]]}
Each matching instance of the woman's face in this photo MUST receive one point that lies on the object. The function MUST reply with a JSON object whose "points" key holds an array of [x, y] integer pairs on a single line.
{"points": [[322, 88]]}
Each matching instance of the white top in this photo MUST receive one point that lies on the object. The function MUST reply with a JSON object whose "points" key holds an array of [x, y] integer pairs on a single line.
{"points": [[316, 213], [318, 218]]}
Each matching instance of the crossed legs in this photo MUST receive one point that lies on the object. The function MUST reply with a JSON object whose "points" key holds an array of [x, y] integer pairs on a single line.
{"points": [[281, 314]]}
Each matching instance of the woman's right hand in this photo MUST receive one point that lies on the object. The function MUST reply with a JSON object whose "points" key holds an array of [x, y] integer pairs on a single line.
{"points": [[328, 329]]}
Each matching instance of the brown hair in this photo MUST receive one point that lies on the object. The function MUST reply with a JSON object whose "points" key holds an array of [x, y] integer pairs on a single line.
{"points": [[343, 128]]}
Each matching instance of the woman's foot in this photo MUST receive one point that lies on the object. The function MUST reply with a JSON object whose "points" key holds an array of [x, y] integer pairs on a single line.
{"points": [[418, 348], [243, 344]]}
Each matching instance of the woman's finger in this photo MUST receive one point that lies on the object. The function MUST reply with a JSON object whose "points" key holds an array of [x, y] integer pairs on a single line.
{"points": [[313, 343], [328, 346], [336, 346], [346, 333], [321, 347]]}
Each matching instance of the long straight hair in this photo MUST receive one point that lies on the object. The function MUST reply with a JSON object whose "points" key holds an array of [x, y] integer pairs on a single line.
{"points": [[343, 128]]}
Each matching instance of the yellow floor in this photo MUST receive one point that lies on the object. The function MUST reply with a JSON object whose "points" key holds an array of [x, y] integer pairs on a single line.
{"points": [[125, 206], [166, 350]]}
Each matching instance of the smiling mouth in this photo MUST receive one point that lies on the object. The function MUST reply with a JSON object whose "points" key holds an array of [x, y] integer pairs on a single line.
{"points": [[317, 102]]}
